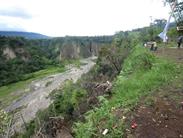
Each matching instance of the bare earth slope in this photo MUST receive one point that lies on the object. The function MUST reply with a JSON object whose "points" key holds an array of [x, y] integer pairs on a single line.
{"points": [[160, 115]]}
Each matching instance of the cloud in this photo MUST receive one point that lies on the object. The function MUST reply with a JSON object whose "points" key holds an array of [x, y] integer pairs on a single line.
{"points": [[79, 17], [6, 27], [15, 12]]}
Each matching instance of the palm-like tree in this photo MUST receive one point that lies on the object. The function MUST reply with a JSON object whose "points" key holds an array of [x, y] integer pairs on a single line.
{"points": [[177, 9]]}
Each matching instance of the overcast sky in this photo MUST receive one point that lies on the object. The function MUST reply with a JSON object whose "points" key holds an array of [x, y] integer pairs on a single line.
{"points": [[79, 17]]}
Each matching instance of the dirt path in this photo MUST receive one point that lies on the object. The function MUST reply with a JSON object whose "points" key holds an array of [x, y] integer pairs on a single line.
{"points": [[174, 54], [28, 105], [160, 115]]}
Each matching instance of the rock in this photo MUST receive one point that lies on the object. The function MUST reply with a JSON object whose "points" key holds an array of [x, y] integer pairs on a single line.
{"points": [[153, 120], [105, 132], [123, 117]]}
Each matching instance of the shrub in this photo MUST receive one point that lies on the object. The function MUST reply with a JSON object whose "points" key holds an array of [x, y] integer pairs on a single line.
{"points": [[68, 98], [142, 72], [139, 59], [4, 119]]}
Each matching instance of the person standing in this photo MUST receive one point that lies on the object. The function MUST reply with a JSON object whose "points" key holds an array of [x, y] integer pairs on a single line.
{"points": [[152, 46], [155, 46], [180, 40]]}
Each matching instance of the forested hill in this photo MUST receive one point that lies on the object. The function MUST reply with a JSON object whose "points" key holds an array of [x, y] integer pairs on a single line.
{"points": [[27, 35], [20, 56]]}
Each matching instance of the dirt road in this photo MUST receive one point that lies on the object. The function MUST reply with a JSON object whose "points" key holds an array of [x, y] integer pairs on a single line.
{"points": [[28, 105]]}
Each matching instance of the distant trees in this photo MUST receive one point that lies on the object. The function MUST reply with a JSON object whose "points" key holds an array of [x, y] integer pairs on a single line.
{"points": [[29, 58], [177, 9], [111, 58], [34, 55], [160, 23]]}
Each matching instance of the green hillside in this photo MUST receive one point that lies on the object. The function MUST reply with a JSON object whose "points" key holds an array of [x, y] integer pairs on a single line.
{"points": [[104, 99]]}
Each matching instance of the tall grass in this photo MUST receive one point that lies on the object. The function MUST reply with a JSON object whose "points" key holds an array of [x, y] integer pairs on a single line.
{"points": [[142, 72]]}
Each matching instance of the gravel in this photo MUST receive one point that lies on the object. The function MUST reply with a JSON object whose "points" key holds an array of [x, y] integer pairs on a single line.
{"points": [[38, 97]]}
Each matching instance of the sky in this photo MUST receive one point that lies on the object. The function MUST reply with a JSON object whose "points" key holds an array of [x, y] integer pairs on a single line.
{"points": [[79, 17]]}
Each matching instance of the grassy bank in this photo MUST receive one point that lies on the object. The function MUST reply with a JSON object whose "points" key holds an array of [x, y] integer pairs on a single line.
{"points": [[142, 73], [6, 91]]}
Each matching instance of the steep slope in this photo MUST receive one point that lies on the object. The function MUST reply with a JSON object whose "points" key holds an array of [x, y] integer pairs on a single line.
{"points": [[142, 73], [19, 56], [38, 98]]}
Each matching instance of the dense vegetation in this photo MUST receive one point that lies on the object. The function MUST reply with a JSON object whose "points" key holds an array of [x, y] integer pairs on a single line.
{"points": [[20, 56], [6, 90], [68, 101], [142, 72], [85, 108], [94, 108], [177, 12], [26, 59], [27, 56]]}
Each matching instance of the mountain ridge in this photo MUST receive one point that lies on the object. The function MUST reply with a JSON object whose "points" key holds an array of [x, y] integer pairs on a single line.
{"points": [[27, 35]]}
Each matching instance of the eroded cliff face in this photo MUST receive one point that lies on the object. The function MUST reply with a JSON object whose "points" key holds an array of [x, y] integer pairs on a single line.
{"points": [[55, 49], [11, 53], [62, 50], [19, 56], [71, 48], [74, 50]]}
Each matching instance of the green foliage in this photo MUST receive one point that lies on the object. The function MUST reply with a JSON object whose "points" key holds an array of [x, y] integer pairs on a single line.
{"points": [[35, 55], [68, 98], [75, 62], [134, 81], [26, 80], [111, 58], [31, 127], [141, 73], [172, 33], [29, 58], [4, 120], [140, 59]]}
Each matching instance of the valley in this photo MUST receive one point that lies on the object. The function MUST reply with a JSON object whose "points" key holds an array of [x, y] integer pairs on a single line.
{"points": [[37, 93], [125, 85], [15, 90]]}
